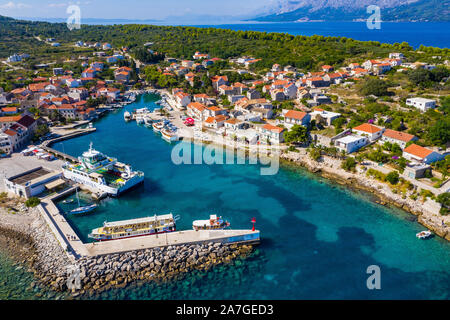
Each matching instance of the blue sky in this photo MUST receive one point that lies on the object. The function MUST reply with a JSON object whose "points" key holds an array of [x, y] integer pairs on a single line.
{"points": [[130, 9]]}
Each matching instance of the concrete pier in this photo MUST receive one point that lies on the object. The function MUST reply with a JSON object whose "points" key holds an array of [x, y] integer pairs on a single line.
{"points": [[172, 239], [46, 145]]}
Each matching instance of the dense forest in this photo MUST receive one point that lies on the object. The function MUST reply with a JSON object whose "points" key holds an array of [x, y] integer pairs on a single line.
{"points": [[303, 52]]}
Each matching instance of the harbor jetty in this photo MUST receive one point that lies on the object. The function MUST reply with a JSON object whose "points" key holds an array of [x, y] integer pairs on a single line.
{"points": [[46, 145], [58, 250]]}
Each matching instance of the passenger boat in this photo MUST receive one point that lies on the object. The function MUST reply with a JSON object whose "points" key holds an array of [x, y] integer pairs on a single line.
{"points": [[157, 126], [134, 228], [424, 234], [169, 135], [213, 223]]}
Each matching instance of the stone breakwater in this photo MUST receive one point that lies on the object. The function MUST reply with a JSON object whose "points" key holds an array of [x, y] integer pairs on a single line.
{"points": [[30, 241], [158, 264], [330, 168]]}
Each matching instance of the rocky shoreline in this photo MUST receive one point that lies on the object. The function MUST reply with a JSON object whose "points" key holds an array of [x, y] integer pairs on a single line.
{"points": [[330, 169], [29, 241]]}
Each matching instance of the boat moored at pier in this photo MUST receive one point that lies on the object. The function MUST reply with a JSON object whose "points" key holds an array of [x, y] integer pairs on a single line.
{"points": [[102, 173], [214, 223], [134, 228], [158, 126], [169, 135]]}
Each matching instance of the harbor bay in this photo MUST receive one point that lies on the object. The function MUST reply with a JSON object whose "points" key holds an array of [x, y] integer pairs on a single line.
{"points": [[310, 248]]}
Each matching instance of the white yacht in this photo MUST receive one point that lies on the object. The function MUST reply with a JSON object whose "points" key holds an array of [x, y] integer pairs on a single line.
{"points": [[169, 135]]}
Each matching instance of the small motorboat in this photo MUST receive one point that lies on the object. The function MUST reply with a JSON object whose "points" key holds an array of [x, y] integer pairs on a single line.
{"points": [[169, 135], [157, 126], [424, 234], [68, 201], [213, 223]]}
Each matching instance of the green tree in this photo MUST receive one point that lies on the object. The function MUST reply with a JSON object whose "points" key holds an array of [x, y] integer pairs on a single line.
{"points": [[439, 133], [315, 154], [375, 87], [349, 164], [32, 202], [393, 177], [297, 133], [444, 200]]}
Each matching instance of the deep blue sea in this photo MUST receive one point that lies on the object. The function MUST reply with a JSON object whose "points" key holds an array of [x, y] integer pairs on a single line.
{"points": [[318, 238], [435, 34]]}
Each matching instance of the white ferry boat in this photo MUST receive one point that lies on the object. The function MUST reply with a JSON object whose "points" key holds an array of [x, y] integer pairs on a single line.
{"points": [[213, 223], [134, 228], [103, 173]]}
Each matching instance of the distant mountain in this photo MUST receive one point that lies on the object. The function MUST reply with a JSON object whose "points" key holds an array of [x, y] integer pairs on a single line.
{"points": [[350, 10]]}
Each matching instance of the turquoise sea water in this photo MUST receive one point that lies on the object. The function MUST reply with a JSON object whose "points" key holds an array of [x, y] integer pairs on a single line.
{"points": [[318, 238]]}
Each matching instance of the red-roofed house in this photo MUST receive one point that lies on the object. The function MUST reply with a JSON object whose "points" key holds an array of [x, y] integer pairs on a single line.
{"points": [[182, 99], [292, 117], [400, 138], [218, 81], [196, 110], [418, 153], [9, 110], [369, 130], [215, 122], [271, 133]]}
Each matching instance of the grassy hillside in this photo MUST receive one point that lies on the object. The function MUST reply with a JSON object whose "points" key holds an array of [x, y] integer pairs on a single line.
{"points": [[303, 52]]}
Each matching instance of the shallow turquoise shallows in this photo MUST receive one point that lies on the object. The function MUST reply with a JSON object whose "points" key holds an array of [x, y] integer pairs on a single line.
{"points": [[318, 239]]}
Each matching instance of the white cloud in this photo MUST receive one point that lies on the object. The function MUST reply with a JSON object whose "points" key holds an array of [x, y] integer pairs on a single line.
{"points": [[58, 5], [11, 5]]}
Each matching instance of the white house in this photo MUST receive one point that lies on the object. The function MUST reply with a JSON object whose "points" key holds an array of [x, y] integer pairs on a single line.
{"points": [[421, 103], [182, 99], [396, 55], [415, 152], [234, 124], [196, 110], [351, 143], [293, 117], [272, 133], [400, 138], [215, 122], [368, 130], [324, 116]]}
